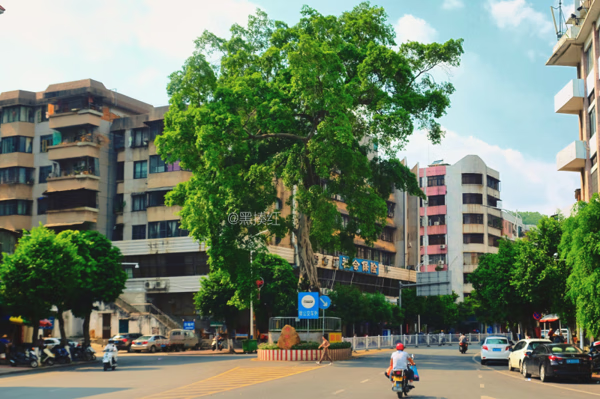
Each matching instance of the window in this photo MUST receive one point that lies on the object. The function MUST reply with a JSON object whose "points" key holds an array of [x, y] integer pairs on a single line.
{"points": [[519, 346], [471, 258], [119, 203], [472, 178], [435, 200], [472, 198], [157, 165], [278, 204], [140, 169], [45, 142], [42, 205], [491, 201], [15, 207], [16, 144], [17, 175], [387, 234], [119, 138], [494, 221], [390, 206], [493, 183], [435, 259], [420, 182], [166, 229], [363, 253], [118, 233], [472, 218], [139, 138], [138, 202], [436, 220], [437, 239], [433, 181], [45, 171], [156, 129], [345, 220], [41, 114], [18, 113], [157, 198], [120, 171], [594, 183], [472, 238], [594, 159], [138, 232], [387, 258], [589, 60], [493, 241], [592, 115]]}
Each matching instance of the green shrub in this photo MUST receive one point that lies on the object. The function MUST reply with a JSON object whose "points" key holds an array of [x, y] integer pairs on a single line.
{"points": [[307, 345], [268, 346], [340, 345]]}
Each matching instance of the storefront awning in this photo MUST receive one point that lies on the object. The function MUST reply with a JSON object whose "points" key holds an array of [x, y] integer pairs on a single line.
{"points": [[549, 318]]}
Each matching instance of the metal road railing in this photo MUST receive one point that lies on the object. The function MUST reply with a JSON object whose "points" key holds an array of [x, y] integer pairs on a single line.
{"points": [[331, 324], [390, 341]]}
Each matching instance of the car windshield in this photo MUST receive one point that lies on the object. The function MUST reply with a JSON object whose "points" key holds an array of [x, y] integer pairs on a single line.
{"points": [[119, 337], [497, 341], [534, 345], [145, 337], [566, 349]]}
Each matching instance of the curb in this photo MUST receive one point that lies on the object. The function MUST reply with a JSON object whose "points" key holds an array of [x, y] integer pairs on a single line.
{"points": [[41, 369]]}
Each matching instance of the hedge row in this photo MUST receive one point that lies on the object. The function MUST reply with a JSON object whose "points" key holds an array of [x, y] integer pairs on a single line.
{"points": [[309, 345]]}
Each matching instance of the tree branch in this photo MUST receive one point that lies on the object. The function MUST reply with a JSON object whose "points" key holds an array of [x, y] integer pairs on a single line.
{"points": [[280, 135]]}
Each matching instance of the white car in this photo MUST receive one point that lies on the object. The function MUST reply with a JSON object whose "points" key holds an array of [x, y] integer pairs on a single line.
{"points": [[495, 348], [515, 359]]}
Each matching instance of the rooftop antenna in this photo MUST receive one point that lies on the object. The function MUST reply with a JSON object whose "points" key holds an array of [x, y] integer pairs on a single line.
{"points": [[558, 28]]}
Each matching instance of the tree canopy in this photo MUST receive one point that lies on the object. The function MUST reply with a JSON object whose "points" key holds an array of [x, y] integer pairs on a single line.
{"points": [[531, 217], [304, 106]]}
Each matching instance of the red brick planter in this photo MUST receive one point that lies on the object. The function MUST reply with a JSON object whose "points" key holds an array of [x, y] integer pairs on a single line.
{"points": [[293, 355]]}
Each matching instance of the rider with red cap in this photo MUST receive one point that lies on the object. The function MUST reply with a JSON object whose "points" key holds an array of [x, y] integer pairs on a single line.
{"points": [[400, 361]]}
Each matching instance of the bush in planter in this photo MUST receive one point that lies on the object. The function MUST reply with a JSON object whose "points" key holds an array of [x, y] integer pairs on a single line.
{"points": [[307, 345], [340, 345], [268, 346]]}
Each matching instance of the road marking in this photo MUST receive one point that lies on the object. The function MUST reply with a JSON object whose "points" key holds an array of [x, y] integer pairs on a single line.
{"points": [[520, 378], [362, 382], [231, 379], [340, 391], [481, 386], [480, 376]]}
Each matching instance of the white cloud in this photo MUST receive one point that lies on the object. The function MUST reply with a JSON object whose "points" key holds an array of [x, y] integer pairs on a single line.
{"points": [[411, 28], [518, 14], [452, 4], [527, 184]]}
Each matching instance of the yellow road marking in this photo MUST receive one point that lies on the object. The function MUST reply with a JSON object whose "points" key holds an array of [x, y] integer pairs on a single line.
{"points": [[521, 378], [229, 380]]}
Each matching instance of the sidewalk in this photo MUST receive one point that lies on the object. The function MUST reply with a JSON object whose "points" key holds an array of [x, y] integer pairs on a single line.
{"points": [[6, 369]]}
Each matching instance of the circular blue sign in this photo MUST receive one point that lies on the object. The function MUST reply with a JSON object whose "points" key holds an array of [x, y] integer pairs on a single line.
{"points": [[537, 316], [324, 302]]}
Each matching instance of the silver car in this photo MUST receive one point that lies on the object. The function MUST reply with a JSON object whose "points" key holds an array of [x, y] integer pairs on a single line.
{"points": [[149, 343]]}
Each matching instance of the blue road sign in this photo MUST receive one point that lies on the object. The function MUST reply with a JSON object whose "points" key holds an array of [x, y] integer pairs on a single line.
{"points": [[307, 305], [189, 325], [324, 302]]}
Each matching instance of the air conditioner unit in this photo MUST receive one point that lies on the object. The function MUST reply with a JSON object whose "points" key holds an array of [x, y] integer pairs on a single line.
{"points": [[436, 223], [160, 285], [149, 285], [442, 246]]}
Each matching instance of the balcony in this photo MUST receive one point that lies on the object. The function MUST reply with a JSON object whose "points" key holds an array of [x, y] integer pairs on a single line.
{"points": [[567, 52], [435, 190], [15, 191], [167, 179], [570, 99], [73, 182], [17, 129], [469, 268], [16, 222], [435, 229], [74, 150], [435, 249], [75, 118], [572, 158], [434, 268], [467, 288], [473, 228], [16, 159], [160, 213], [433, 210], [69, 217]]}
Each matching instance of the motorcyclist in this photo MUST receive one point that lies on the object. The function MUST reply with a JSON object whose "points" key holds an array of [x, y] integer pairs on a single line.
{"points": [[112, 348], [400, 361], [462, 340]]}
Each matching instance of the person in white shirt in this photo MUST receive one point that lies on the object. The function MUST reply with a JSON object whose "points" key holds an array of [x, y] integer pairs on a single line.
{"points": [[400, 361], [442, 338]]}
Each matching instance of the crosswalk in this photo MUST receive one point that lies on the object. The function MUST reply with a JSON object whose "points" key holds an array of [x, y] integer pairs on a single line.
{"points": [[232, 379]]}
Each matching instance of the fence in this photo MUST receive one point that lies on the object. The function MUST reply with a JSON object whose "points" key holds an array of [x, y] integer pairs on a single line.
{"points": [[390, 341], [331, 324]]}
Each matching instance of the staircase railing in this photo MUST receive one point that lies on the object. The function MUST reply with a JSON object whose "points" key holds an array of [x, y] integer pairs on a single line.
{"points": [[162, 317]]}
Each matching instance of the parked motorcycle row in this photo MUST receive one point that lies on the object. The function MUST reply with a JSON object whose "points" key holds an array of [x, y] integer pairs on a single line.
{"points": [[50, 356]]}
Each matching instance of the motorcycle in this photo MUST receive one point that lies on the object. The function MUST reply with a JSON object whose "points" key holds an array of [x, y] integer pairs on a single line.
{"points": [[61, 354], [400, 381], [217, 344], [462, 347], [110, 359], [89, 353], [47, 357], [23, 358]]}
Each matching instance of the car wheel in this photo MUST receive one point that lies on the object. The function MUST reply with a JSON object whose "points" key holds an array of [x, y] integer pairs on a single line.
{"points": [[483, 362], [586, 380], [152, 349], [129, 349], [520, 367], [543, 376], [510, 368], [525, 373]]}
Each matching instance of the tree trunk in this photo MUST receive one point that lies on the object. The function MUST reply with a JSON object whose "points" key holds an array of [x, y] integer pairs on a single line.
{"points": [[86, 328], [36, 329], [308, 266], [61, 325]]}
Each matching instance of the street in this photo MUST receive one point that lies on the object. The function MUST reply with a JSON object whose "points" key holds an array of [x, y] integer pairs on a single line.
{"points": [[444, 374]]}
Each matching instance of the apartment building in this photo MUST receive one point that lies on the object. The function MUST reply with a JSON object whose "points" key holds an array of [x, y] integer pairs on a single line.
{"points": [[79, 156], [578, 47], [462, 218]]}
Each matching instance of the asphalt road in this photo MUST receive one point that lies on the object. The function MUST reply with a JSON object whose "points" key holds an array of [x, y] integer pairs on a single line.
{"points": [[444, 374]]}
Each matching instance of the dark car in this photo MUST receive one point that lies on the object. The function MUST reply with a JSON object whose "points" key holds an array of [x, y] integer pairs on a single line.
{"points": [[557, 361], [595, 354], [123, 341]]}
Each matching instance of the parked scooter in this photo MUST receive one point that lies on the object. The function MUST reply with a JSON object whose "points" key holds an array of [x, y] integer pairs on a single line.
{"points": [[61, 354], [27, 358], [110, 357], [47, 357], [217, 343], [89, 353]]}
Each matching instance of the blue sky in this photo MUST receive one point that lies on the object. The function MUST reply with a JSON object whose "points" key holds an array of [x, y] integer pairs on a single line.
{"points": [[502, 109]]}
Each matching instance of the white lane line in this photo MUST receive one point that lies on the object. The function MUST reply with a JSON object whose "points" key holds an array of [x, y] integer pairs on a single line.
{"points": [[340, 391], [480, 376], [481, 386], [362, 382]]}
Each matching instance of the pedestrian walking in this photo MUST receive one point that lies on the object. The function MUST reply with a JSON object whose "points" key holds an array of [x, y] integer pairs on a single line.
{"points": [[442, 338], [325, 345]]}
